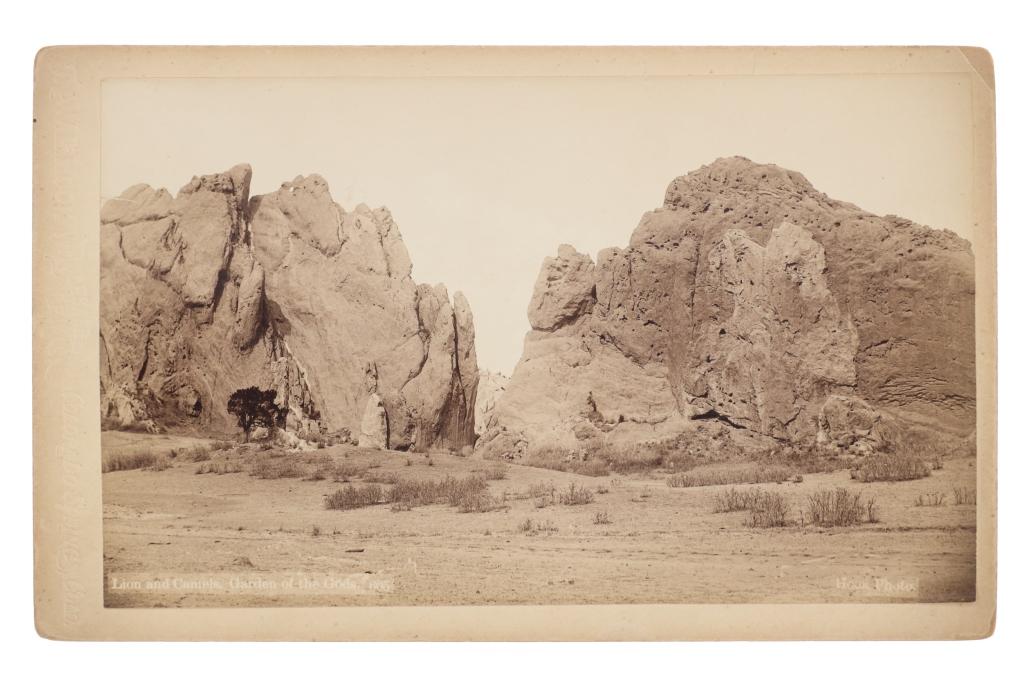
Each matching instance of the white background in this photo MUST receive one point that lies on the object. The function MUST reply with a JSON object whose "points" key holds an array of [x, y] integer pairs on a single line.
{"points": [[28, 26]]}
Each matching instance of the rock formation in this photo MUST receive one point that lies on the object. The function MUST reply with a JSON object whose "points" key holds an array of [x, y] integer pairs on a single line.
{"points": [[751, 299], [489, 391], [211, 291]]}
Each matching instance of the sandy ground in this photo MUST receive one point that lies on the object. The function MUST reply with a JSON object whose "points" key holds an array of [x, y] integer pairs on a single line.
{"points": [[174, 538]]}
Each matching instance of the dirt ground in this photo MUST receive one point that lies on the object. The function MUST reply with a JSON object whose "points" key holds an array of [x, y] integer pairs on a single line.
{"points": [[175, 538]]}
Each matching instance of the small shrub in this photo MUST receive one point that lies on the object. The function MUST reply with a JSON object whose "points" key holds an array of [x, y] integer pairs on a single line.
{"points": [[840, 507], [601, 518], [768, 510], [352, 497], [964, 496], [462, 491], [315, 532], [930, 500], [412, 493], [574, 495], [890, 467], [468, 494], [734, 499]]}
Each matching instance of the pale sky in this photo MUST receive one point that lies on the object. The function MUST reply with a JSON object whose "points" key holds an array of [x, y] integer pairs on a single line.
{"points": [[487, 176]]}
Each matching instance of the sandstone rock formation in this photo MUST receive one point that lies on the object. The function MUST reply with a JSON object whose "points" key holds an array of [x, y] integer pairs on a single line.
{"points": [[751, 299], [373, 431], [489, 391], [210, 291]]}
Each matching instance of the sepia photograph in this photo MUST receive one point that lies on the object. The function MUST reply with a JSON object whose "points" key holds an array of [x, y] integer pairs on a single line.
{"points": [[552, 334]]}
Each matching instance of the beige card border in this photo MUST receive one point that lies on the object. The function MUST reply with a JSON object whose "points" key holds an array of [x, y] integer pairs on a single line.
{"points": [[67, 489]]}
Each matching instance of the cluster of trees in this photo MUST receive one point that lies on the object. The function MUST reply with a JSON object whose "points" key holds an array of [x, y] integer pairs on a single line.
{"points": [[255, 408]]}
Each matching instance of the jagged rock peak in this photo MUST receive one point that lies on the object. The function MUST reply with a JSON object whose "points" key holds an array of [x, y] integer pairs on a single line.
{"points": [[211, 291], [564, 290], [234, 181]]}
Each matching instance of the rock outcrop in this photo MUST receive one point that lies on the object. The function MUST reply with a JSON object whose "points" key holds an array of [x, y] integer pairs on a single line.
{"points": [[210, 291], [489, 391], [751, 299]]}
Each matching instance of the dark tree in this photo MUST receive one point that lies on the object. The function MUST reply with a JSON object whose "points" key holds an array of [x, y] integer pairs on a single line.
{"points": [[255, 408]]}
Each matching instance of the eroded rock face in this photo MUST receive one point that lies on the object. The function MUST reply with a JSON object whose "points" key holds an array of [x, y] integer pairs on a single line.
{"points": [[490, 389], [754, 300], [373, 431], [564, 290], [209, 291]]}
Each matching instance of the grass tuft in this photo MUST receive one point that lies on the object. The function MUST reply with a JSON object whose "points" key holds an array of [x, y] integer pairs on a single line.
{"points": [[734, 499]]}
